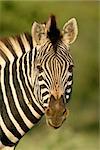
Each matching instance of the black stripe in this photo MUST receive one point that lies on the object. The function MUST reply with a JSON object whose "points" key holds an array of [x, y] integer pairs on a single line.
{"points": [[30, 62], [9, 46], [35, 53], [32, 102], [25, 66], [47, 81], [45, 93], [44, 48], [40, 78], [68, 86], [10, 98], [20, 43], [70, 69], [70, 78], [64, 53], [28, 114], [43, 86], [45, 66], [1, 98], [40, 68], [5, 141], [4, 56], [12, 103], [29, 39], [46, 101], [20, 97], [62, 59], [25, 87], [8, 123]]}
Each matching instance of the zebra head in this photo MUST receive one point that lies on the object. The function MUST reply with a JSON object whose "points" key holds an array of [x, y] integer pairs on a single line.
{"points": [[54, 67]]}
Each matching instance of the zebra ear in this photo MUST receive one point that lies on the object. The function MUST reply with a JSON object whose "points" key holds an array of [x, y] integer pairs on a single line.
{"points": [[70, 31], [38, 33]]}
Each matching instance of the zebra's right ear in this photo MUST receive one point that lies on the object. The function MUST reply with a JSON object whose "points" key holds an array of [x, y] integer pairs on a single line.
{"points": [[38, 33]]}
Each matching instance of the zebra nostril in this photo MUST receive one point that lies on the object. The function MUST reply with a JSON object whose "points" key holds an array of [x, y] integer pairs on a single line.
{"points": [[48, 111], [52, 97], [64, 111]]}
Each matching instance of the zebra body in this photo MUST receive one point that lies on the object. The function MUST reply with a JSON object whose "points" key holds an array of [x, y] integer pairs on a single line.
{"points": [[36, 78]]}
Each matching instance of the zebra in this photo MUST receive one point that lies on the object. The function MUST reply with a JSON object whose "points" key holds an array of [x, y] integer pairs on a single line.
{"points": [[36, 74]]}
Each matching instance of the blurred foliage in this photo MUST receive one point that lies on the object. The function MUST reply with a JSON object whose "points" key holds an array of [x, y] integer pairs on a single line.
{"points": [[80, 131]]}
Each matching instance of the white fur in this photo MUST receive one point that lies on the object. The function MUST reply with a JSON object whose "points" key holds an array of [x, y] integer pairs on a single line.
{"points": [[3, 147], [7, 148], [69, 38], [38, 33]]}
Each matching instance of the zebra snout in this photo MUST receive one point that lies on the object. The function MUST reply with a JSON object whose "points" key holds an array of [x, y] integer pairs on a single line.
{"points": [[56, 112]]}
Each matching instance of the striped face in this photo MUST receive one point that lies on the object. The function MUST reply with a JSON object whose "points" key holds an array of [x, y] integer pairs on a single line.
{"points": [[55, 80], [55, 72], [54, 65]]}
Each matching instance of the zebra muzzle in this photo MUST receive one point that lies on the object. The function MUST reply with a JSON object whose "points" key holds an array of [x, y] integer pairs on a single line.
{"points": [[56, 112]]}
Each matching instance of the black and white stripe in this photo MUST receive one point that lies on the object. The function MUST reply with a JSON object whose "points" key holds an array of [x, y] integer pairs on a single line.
{"points": [[19, 109], [55, 65], [28, 77]]}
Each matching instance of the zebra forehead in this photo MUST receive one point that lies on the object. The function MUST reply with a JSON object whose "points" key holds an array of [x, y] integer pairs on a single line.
{"points": [[55, 60], [47, 53]]}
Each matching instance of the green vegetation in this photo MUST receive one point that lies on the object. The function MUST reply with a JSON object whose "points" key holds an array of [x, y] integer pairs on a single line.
{"points": [[80, 131]]}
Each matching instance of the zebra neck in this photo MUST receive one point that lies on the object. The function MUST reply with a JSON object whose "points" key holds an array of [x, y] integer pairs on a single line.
{"points": [[25, 63], [26, 69]]}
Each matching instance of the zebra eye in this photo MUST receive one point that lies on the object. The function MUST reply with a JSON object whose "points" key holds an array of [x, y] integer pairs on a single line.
{"points": [[70, 69], [39, 68]]}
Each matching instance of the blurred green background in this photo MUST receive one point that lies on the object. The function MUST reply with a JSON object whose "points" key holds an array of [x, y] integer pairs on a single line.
{"points": [[80, 131]]}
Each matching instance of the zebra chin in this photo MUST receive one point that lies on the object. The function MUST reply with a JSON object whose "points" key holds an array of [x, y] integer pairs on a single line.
{"points": [[54, 126]]}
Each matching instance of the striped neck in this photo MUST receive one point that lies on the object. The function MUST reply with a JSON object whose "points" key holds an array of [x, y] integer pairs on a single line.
{"points": [[28, 75]]}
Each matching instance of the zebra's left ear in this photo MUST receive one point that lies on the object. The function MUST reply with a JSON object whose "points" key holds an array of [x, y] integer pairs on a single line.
{"points": [[70, 31], [38, 33]]}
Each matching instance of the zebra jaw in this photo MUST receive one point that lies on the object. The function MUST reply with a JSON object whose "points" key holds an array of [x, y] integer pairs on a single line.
{"points": [[56, 112]]}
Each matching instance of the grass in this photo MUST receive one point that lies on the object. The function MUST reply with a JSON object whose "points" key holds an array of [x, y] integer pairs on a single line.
{"points": [[42, 137]]}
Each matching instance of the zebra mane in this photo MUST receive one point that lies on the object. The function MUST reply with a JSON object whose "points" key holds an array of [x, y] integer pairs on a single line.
{"points": [[53, 32]]}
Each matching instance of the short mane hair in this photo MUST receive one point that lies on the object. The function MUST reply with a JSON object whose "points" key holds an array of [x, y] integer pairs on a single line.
{"points": [[53, 33]]}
